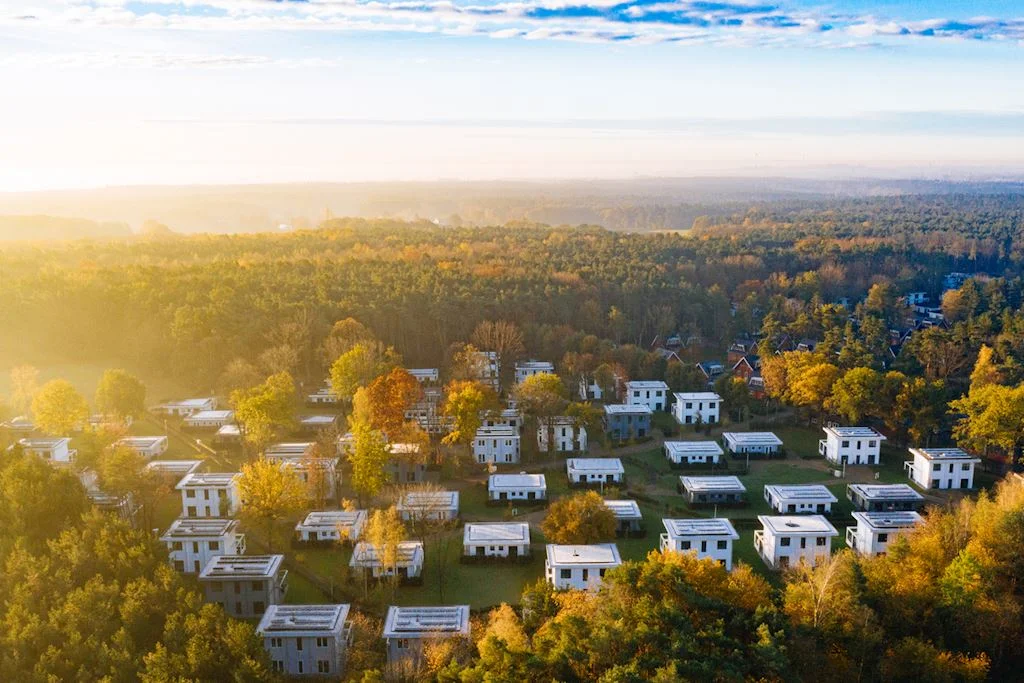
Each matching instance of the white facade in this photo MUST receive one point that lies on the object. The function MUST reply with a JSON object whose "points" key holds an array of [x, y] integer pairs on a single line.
{"points": [[705, 538], [315, 423], [799, 499], [692, 452], [508, 417], [530, 368], [425, 376], [522, 486], [52, 450], [439, 506], [498, 445], [713, 490], [754, 443], [876, 530], [851, 445], [245, 585], [188, 406], [499, 539], [202, 493], [701, 407], [408, 563], [486, 369], [407, 629], [579, 567], [209, 419], [331, 526], [306, 640], [565, 436], [787, 540], [146, 446], [192, 542], [594, 470], [941, 468], [323, 396], [653, 394]]}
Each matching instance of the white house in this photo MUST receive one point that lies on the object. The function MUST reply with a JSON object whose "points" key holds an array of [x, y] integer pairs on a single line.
{"points": [[323, 396], [851, 445], [650, 393], [408, 562], [875, 530], [193, 541], [288, 450], [713, 490], [594, 470], [498, 539], [566, 437], [202, 493], [331, 526], [799, 499], [229, 433], [486, 368], [316, 423], [407, 629], [439, 506], [529, 368], [499, 445], [522, 486], [884, 497], [188, 406], [751, 443], [209, 419], [700, 407], [146, 446], [426, 412], [306, 640], [628, 518], [52, 450], [705, 538], [941, 468], [579, 567], [244, 585], [174, 468], [785, 541], [692, 452], [425, 376], [507, 417], [623, 421]]}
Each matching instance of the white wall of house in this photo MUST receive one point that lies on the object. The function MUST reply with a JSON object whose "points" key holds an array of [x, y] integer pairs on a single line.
{"points": [[939, 472], [654, 395], [715, 547], [499, 447], [697, 408], [839, 448], [191, 555], [205, 501], [781, 548]]}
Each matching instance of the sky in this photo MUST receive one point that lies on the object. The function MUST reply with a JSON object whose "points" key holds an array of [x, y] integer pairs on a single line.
{"points": [[127, 92]]}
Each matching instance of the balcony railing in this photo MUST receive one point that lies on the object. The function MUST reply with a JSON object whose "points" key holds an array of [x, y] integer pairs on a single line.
{"points": [[851, 537], [663, 542], [282, 582], [759, 540], [822, 446], [240, 544]]}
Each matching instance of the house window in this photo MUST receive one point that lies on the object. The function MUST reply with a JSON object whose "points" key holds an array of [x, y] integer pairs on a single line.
{"points": [[784, 541], [214, 545], [298, 644], [176, 545], [820, 541], [195, 546], [601, 572], [703, 546], [238, 608], [685, 545], [965, 467], [586, 574], [872, 443], [722, 545], [565, 573], [258, 607], [402, 644], [323, 666], [883, 538], [299, 669], [278, 666], [275, 642], [216, 587], [846, 444], [936, 467], [238, 588], [257, 585]]}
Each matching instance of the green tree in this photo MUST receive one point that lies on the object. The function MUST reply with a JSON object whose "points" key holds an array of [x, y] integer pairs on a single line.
{"points": [[465, 403], [369, 458], [542, 397], [855, 395], [985, 369], [265, 409], [359, 366], [120, 394], [270, 494], [58, 408], [578, 519]]}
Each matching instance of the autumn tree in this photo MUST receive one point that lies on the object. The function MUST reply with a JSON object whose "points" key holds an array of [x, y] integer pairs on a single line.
{"points": [[359, 366], [502, 337], [389, 397], [993, 415], [58, 408], [543, 397], [385, 531], [465, 403], [812, 385], [270, 494], [368, 458], [986, 371], [24, 385], [239, 375], [579, 519], [856, 394], [122, 471], [265, 409], [343, 336], [120, 394]]}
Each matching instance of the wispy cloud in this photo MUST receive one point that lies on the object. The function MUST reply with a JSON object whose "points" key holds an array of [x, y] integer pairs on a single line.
{"points": [[734, 22]]}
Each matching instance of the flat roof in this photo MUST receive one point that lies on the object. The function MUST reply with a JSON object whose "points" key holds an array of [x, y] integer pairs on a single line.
{"points": [[288, 449], [798, 524], [535, 365], [199, 527], [693, 447], [627, 409], [43, 442], [332, 519], [211, 415], [207, 479], [426, 622], [594, 465], [242, 567], [430, 500], [854, 433], [718, 526], [182, 467], [889, 520], [319, 419], [303, 620], [229, 430], [956, 454], [712, 484], [801, 492], [365, 553], [141, 441], [498, 431], [497, 532], [753, 438], [697, 396], [624, 509], [423, 372], [517, 481], [646, 384], [885, 491], [597, 554], [191, 402]]}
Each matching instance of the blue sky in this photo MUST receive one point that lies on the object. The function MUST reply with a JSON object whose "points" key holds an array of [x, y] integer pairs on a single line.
{"points": [[206, 91]]}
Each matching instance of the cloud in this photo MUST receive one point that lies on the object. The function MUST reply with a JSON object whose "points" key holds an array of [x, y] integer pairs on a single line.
{"points": [[732, 22]]}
